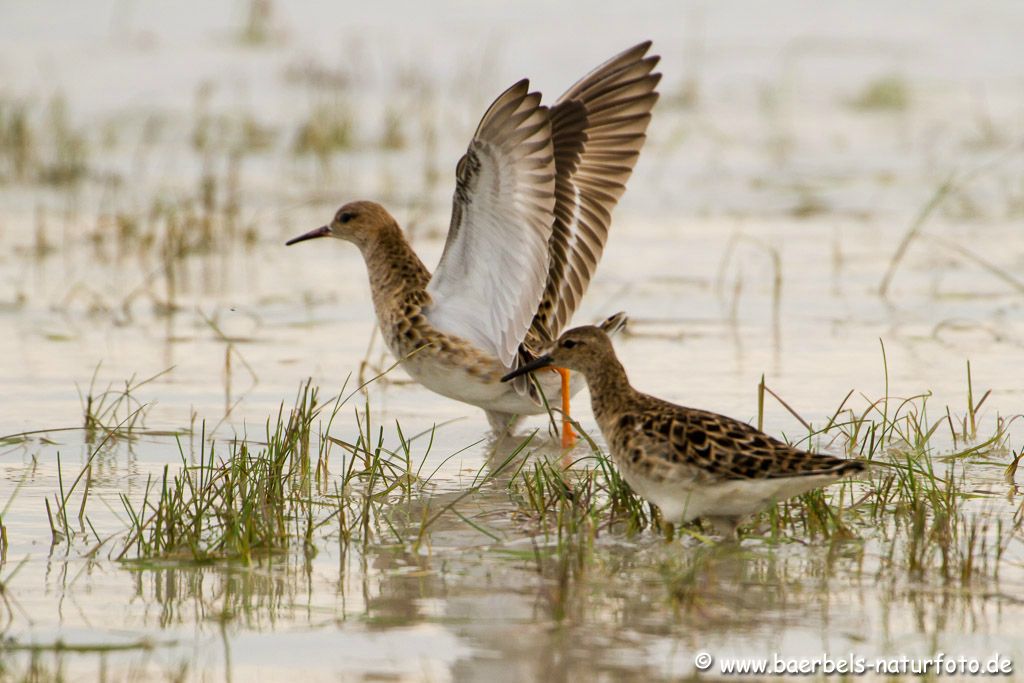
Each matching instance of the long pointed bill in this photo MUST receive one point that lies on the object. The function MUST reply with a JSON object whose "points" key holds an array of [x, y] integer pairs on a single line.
{"points": [[542, 362], [322, 231]]}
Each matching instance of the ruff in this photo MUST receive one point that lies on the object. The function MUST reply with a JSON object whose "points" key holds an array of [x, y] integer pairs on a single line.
{"points": [[530, 218], [690, 463]]}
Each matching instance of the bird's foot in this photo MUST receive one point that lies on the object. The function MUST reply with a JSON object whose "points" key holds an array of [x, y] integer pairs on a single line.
{"points": [[727, 527]]}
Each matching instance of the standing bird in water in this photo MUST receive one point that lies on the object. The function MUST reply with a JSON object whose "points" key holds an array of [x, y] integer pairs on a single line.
{"points": [[690, 463], [530, 216]]}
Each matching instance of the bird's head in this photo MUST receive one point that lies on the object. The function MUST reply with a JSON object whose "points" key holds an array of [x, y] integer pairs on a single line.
{"points": [[582, 349], [357, 222]]}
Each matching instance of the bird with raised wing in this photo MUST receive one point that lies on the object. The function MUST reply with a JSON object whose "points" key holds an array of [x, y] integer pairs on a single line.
{"points": [[690, 463], [530, 217]]}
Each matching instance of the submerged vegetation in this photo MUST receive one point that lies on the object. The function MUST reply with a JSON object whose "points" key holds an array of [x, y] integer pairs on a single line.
{"points": [[243, 499], [41, 144], [886, 93]]}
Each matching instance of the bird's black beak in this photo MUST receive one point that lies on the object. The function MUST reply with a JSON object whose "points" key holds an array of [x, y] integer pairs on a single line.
{"points": [[322, 231], [542, 362]]}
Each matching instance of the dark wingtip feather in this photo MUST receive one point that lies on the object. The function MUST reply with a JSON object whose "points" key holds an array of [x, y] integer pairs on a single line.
{"points": [[851, 467], [598, 128]]}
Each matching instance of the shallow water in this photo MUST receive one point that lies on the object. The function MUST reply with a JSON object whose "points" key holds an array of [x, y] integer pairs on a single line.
{"points": [[754, 239]]}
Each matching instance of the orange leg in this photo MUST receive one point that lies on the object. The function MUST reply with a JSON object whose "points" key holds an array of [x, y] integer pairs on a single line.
{"points": [[568, 436]]}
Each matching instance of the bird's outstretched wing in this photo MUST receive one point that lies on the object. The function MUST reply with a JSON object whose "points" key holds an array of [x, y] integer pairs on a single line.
{"points": [[493, 270], [597, 129]]}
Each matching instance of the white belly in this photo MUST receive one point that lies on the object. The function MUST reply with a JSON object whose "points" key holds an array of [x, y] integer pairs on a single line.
{"points": [[686, 500], [456, 383]]}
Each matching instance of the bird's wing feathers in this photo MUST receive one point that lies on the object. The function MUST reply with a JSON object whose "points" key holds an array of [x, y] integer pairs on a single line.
{"points": [[597, 128], [492, 272], [533, 206], [728, 448]]}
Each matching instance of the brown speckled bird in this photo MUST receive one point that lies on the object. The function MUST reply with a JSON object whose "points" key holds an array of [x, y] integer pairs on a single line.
{"points": [[690, 463], [530, 216]]}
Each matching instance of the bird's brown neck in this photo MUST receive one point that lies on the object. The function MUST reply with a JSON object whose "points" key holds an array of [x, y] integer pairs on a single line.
{"points": [[608, 383], [396, 272]]}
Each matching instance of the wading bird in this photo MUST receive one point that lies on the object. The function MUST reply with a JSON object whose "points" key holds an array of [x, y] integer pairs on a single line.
{"points": [[530, 217], [690, 463]]}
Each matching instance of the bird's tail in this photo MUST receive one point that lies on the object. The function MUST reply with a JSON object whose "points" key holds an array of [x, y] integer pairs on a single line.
{"points": [[850, 467]]}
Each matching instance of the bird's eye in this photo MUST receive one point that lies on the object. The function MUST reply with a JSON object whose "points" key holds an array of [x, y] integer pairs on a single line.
{"points": [[568, 344], [345, 217]]}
